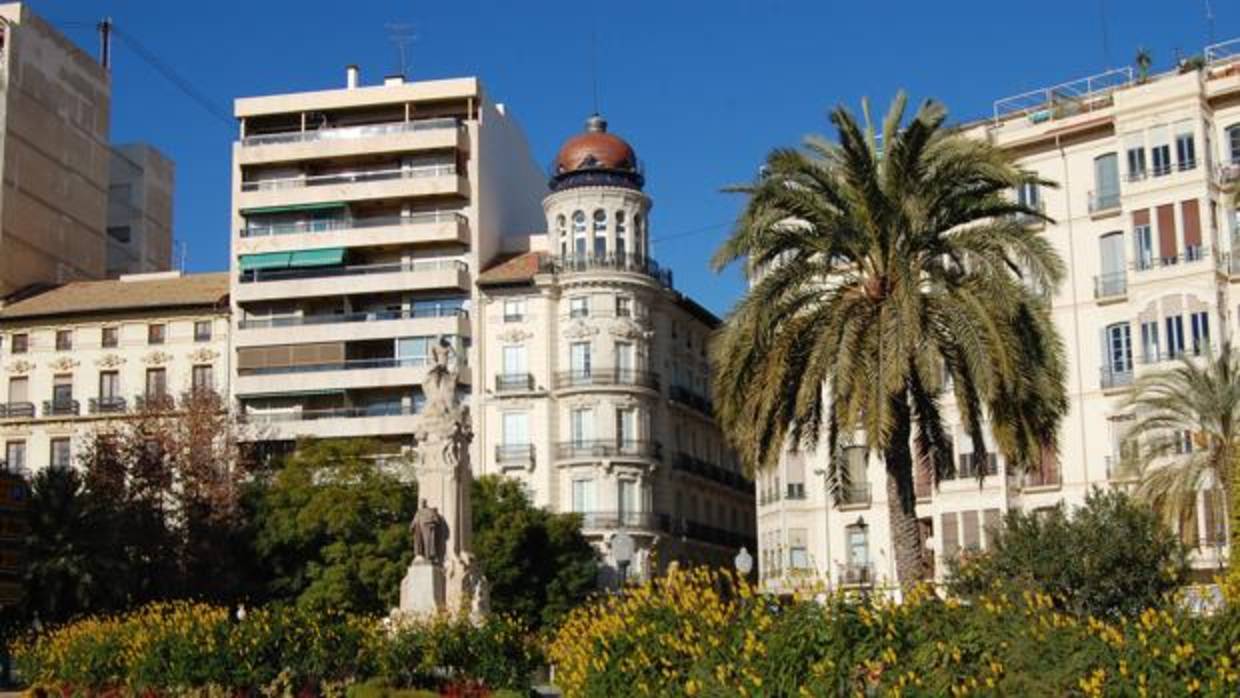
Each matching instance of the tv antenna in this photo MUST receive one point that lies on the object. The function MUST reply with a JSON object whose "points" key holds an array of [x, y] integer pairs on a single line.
{"points": [[401, 35]]}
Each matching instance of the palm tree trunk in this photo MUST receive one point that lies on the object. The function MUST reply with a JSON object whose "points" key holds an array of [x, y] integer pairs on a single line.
{"points": [[901, 499]]}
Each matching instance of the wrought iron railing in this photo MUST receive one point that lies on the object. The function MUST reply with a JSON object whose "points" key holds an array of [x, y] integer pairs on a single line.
{"points": [[1112, 285], [107, 405], [640, 264], [509, 454], [514, 382], [61, 408], [17, 410], [607, 376], [608, 448], [716, 473], [688, 397]]}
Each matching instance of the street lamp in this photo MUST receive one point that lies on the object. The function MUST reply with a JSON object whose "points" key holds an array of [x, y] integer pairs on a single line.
{"points": [[743, 562]]}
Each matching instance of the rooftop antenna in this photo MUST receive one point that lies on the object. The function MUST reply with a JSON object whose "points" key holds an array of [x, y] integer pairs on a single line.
{"points": [[401, 35], [594, 62], [105, 42]]}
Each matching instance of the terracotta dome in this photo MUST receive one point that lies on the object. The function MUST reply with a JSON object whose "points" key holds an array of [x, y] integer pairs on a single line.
{"points": [[596, 151]]}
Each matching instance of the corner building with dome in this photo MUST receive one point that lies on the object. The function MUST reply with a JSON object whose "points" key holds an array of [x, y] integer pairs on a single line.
{"points": [[593, 378]]}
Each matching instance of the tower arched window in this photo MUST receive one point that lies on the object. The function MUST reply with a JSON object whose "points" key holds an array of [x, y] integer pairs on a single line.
{"points": [[621, 233], [561, 229], [600, 232], [639, 235], [579, 233]]}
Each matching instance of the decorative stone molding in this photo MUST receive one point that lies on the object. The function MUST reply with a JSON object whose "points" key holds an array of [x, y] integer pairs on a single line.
{"points": [[203, 355], [110, 361], [20, 366], [157, 358], [63, 363], [515, 335], [580, 330], [624, 328]]}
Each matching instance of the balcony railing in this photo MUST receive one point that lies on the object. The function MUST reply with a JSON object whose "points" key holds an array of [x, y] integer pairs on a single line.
{"points": [[1113, 377], [351, 270], [514, 382], [356, 177], [857, 574], [346, 365], [1113, 285], [514, 454], [1228, 172], [566, 264], [154, 401], [855, 493], [648, 520], [1103, 201], [338, 318], [608, 448], [968, 467], [1168, 355], [1195, 253], [712, 534], [17, 410], [685, 396], [329, 225], [61, 408], [350, 132], [383, 410], [607, 376], [719, 474], [107, 405]]}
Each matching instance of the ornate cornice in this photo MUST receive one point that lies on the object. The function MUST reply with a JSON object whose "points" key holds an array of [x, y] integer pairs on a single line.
{"points": [[110, 361], [20, 366], [580, 330], [514, 335], [157, 358], [203, 355], [63, 363], [625, 328]]}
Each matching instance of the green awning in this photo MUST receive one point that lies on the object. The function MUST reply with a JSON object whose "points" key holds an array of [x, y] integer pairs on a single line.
{"points": [[318, 258], [331, 205], [267, 260]]}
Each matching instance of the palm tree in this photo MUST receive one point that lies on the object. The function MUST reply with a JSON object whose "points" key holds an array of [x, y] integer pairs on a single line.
{"points": [[1186, 434], [877, 273]]}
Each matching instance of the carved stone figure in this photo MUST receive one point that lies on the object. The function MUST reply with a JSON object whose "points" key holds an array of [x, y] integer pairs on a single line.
{"points": [[428, 532]]}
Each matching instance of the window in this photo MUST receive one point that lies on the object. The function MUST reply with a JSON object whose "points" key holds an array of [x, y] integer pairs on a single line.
{"points": [[858, 546], [155, 333], [626, 356], [1028, 195], [19, 390], [579, 233], [514, 309], [1200, 325], [621, 232], [581, 425], [626, 501], [20, 343], [62, 390], [798, 551], [156, 383], [1185, 147], [1175, 337], [61, 454], [579, 359], [639, 232], [579, 306], [600, 233], [202, 378], [583, 496], [1134, 150], [1112, 280], [1149, 341], [1106, 182], [624, 306], [413, 351], [202, 331], [514, 361], [64, 340], [1143, 241], [1119, 348], [109, 337], [1233, 144], [1160, 152], [516, 429], [15, 456], [626, 427], [109, 386]]}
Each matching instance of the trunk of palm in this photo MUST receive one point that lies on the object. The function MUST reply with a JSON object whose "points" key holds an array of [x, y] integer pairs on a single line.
{"points": [[902, 500]]}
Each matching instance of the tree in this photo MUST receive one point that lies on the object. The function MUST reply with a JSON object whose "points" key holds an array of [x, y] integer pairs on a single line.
{"points": [[332, 529], [538, 563], [878, 271], [1110, 557], [1185, 436]]}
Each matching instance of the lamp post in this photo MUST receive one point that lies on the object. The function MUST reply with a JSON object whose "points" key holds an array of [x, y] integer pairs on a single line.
{"points": [[743, 562]]}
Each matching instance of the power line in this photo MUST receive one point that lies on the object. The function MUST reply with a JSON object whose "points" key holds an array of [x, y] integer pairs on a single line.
{"points": [[691, 232], [185, 86]]}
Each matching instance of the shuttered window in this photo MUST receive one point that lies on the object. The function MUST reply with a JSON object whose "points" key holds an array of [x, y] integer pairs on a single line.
{"points": [[1166, 233], [951, 535], [972, 531], [991, 521], [1192, 228]]}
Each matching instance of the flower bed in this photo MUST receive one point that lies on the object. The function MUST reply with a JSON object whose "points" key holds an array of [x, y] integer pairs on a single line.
{"points": [[703, 633], [175, 647]]}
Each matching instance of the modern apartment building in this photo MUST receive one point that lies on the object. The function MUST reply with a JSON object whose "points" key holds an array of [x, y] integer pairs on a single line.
{"points": [[1145, 219], [79, 355], [140, 188], [593, 376], [361, 217]]}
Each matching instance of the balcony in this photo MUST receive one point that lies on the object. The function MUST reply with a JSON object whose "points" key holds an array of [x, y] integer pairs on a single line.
{"points": [[1228, 173], [855, 494], [714, 535], [389, 181], [1114, 378], [688, 398], [263, 284], [607, 448], [856, 574], [342, 318], [1195, 253], [355, 177], [967, 465], [514, 383], [430, 220], [1103, 203], [346, 365], [382, 410], [606, 377], [514, 455], [1111, 286], [154, 402], [646, 520], [262, 275], [376, 420], [701, 468], [630, 263], [61, 408], [350, 132], [107, 405], [17, 410]]}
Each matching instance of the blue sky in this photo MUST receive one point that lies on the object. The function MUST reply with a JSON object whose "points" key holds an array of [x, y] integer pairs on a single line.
{"points": [[702, 89]]}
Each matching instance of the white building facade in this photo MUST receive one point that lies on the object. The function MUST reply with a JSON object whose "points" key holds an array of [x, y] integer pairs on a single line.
{"points": [[1144, 218]]}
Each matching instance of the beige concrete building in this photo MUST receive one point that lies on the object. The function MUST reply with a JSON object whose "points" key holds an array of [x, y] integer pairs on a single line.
{"points": [[1145, 220], [54, 102], [594, 377], [361, 216], [140, 188], [83, 353]]}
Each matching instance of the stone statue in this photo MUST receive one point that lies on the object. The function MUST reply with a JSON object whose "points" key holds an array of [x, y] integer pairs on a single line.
{"points": [[439, 386], [428, 532]]}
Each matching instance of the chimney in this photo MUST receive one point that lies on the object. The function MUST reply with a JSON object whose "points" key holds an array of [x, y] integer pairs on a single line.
{"points": [[350, 77], [394, 80]]}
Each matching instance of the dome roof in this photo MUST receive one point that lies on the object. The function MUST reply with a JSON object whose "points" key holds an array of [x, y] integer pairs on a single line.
{"points": [[595, 151]]}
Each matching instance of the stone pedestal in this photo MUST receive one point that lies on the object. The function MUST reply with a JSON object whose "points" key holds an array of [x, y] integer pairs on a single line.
{"points": [[422, 589]]}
